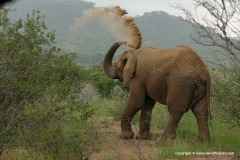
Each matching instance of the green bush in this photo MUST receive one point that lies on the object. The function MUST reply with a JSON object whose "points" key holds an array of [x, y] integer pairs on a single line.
{"points": [[102, 83], [69, 140], [82, 140], [120, 97], [39, 89], [225, 95]]}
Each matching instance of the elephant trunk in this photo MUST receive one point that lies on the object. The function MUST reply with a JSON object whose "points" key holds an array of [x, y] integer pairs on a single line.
{"points": [[107, 63]]}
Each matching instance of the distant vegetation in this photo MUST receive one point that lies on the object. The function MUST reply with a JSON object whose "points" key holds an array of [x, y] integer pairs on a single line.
{"points": [[159, 29]]}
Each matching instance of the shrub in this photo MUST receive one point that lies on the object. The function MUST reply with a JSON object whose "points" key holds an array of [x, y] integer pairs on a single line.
{"points": [[39, 88], [101, 82], [225, 95], [87, 94], [120, 97]]}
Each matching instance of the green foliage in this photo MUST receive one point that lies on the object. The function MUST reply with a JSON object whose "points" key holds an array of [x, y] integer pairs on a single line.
{"points": [[186, 141], [120, 97], [226, 93], [103, 84], [26, 52], [39, 89], [158, 29], [69, 140], [82, 141]]}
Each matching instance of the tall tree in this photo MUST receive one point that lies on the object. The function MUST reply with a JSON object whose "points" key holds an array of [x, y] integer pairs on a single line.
{"points": [[36, 78]]}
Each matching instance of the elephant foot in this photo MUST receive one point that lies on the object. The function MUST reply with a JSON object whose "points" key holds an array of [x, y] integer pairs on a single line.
{"points": [[126, 135], [143, 135]]}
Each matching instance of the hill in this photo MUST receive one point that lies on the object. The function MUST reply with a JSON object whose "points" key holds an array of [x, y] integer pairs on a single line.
{"points": [[158, 28]]}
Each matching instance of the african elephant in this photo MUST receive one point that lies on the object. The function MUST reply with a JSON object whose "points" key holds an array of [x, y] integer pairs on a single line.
{"points": [[176, 77]]}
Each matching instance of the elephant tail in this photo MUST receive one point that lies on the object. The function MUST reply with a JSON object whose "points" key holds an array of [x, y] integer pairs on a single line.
{"points": [[208, 85]]}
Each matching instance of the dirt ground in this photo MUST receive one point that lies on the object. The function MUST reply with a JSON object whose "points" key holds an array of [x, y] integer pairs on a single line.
{"points": [[114, 148]]}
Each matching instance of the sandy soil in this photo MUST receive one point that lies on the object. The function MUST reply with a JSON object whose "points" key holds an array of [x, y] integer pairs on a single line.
{"points": [[114, 148]]}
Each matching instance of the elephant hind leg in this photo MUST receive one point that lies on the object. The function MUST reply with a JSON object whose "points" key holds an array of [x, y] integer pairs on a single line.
{"points": [[170, 130], [145, 118], [200, 110], [178, 102]]}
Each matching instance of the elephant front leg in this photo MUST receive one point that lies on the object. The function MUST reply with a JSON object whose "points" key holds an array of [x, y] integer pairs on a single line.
{"points": [[145, 118], [135, 103], [126, 118]]}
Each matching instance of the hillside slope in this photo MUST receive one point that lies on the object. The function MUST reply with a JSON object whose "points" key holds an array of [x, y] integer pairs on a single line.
{"points": [[159, 29]]}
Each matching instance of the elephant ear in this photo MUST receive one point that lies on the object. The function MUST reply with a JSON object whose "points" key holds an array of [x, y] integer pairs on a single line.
{"points": [[130, 62]]}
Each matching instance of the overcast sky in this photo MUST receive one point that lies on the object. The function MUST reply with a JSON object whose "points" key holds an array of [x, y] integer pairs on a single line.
{"points": [[138, 7]]}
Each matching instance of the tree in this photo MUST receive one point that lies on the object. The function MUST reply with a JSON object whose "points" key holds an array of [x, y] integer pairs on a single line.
{"points": [[219, 27], [39, 84]]}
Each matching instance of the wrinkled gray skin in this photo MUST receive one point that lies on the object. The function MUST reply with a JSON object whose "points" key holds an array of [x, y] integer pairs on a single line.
{"points": [[176, 77]]}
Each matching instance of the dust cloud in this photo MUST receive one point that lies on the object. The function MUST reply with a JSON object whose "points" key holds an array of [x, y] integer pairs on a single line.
{"points": [[114, 19]]}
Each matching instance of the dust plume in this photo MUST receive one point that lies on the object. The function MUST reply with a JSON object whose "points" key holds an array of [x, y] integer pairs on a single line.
{"points": [[114, 20]]}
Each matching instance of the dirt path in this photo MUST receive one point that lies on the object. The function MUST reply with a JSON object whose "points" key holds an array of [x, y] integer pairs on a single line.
{"points": [[114, 148]]}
